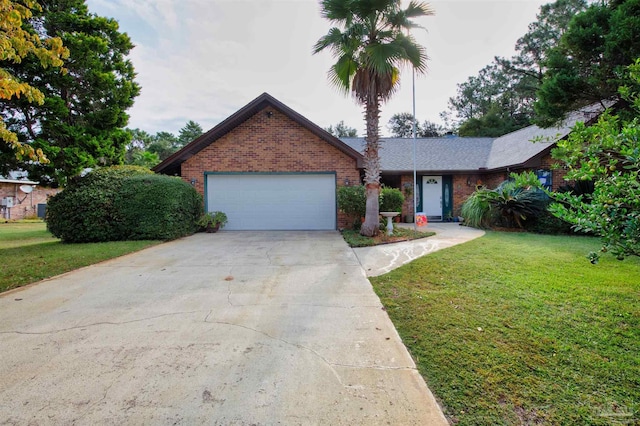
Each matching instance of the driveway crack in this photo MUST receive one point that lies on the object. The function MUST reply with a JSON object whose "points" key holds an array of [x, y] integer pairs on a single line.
{"points": [[96, 324], [328, 363]]}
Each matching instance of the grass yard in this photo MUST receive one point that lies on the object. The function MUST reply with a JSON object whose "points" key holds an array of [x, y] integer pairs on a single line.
{"points": [[354, 239], [519, 329], [30, 253]]}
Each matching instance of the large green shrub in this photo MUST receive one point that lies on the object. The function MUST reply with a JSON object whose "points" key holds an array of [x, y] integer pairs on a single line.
{"points": [[391, 200], [84, 211], [92, 208], [352, 201], [157, 207]]}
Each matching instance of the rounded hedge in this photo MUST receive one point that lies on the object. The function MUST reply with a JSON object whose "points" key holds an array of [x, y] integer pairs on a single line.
{"points": [[104, 206], [157, 207]]}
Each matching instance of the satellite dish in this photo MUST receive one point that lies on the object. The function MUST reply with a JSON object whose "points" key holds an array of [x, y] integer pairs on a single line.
{"points": [[26, 188]]}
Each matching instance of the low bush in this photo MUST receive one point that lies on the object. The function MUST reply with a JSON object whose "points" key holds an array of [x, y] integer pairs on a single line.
{"points": [[391, 200], [352, 202], [157, 207], [546, 223], [476, 209]]}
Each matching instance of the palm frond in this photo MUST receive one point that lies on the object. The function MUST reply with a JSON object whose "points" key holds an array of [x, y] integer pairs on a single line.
{"points": [[342, 72], [333, 38], [418, 9], [338, 11]]}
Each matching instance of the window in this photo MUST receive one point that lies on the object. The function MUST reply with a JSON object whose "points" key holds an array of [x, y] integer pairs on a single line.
{"points": [[545, 177]]}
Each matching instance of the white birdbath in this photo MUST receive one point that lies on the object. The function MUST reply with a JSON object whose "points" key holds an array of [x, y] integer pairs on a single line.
{"points": [[389, 216]]}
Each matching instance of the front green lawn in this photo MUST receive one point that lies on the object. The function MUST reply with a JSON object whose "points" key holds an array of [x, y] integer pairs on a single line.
{"points": [[30, 253], [516, 328]]}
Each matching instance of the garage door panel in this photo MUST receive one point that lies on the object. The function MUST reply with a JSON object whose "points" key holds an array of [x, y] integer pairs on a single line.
{"points": [[275, 202]]}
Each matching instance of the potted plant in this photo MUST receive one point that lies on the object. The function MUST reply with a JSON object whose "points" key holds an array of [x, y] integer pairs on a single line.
{"points": [[212, 221]]}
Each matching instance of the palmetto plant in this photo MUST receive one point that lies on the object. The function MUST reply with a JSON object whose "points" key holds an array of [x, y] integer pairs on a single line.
{"points": [[516, 203], [371, 42], [513, 202]]}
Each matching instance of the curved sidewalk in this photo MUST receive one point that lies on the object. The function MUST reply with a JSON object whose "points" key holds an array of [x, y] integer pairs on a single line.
{"points": [[384, 258]]}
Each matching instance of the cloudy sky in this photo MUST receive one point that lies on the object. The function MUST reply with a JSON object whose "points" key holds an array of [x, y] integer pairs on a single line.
{"points": [[202, 60]]}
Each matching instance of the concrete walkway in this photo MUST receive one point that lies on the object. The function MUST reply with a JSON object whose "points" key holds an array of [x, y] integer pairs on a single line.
{"points": [[381, 259], [233, 328]]}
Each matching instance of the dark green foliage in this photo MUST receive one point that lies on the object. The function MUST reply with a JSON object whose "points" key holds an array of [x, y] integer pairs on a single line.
{"points": [[500, 98], [493, 124], [589, 63], [352, 201], [391, 200], [607, 153], [82, 121], [516, 204], [94, 208], [341, 130], [84, 211], [156, 207], [547, 223], [401, 126], [189, 132], [512, 204]]}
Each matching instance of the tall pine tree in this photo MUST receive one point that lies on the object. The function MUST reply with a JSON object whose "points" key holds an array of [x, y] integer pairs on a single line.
{"points": [[82, 121]]}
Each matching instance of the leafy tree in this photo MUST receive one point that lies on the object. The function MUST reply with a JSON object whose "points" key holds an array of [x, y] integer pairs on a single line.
{"points": [[429, 129], [401, 126], [588, 64], [341, 130], [607, 153], [81, 123], [145, 159], [17, 43], [501, 97], [164, 144], [492, 124], [370, 45], [139, 142], [189, 132]]}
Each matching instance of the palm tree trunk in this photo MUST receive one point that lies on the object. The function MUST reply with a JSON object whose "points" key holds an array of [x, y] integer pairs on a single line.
{"points": [[371, 225]]}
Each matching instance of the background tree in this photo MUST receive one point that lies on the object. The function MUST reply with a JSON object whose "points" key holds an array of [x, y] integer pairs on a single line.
{"points": [[500, 98], [81, 123], [164, 144], [139, 141], [16, 44], [370, 45], [341, 130], [401, 126], [588, 64], [189, 132], [607, 153], [429, 129]]}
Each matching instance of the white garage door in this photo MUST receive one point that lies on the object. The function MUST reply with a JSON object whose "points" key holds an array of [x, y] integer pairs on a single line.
{"points": [[274, 201]]}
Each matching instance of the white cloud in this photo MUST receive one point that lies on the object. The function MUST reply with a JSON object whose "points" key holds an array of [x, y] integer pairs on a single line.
{"points": [[203, 60]]}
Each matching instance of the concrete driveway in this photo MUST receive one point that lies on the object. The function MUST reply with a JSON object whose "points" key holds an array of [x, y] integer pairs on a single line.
{"points": [[233, 328]]}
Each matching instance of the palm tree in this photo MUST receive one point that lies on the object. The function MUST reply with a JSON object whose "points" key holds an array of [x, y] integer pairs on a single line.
{"points": [[370, 47]]}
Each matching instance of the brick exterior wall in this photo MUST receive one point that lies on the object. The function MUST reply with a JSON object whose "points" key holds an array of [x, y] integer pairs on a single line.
{"points": [[271, 143], [28, 208], [558, 173]]}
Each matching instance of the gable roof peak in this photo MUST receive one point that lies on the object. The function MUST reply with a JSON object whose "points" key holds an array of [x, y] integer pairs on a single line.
{"points": [[172, 163]]}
